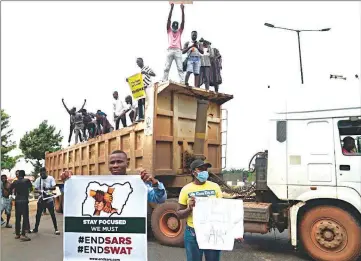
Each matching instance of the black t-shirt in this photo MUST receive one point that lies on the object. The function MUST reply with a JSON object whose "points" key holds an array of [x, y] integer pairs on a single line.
{"points": [[22, 187]]}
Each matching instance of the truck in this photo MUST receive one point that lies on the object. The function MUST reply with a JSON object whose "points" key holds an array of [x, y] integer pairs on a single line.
{"points": [[304, 182]]}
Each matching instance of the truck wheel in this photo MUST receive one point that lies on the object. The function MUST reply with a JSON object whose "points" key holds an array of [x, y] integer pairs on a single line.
{"points": [[58, 203], [330, 234], [167, 228]]}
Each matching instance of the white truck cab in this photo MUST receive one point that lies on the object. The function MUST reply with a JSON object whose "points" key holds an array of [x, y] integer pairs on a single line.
{"points": [[314, 164]]}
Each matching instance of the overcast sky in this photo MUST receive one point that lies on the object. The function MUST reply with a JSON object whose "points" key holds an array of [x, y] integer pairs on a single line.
{"points": [[78, 50]]}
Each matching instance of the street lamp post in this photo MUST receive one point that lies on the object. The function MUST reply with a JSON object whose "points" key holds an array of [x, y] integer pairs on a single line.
{"points": [[299, 40]]}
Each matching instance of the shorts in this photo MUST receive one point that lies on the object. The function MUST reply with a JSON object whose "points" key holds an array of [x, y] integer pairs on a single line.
{"points": [[194, 64], [6, 206]]}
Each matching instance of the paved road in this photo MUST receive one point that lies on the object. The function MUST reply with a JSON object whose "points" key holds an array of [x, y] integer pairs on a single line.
{"points": [[45, 246]]}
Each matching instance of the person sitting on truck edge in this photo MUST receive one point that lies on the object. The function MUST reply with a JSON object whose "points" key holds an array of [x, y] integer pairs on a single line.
{"points": [[348, 147], [186, 201], [103, 125], [194, 50], [118, 111], [43, 184], [21, 186], [118, 162], [71, 112], [132, 108], [174, 45], [147, 81]]}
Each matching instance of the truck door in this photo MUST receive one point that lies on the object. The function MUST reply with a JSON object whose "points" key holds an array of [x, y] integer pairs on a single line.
{"points": [[311, 161], [348, 163]]}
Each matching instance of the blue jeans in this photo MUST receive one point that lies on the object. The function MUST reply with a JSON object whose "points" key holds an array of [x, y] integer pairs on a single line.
{"points": [[192, 250]]}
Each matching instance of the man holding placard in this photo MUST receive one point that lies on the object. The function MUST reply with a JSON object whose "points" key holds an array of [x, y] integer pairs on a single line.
{"points": [[200, 187]]}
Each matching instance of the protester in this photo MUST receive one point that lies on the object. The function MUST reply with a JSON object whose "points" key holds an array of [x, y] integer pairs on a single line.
{"points": [[205, 73], [77, 121], [21, 187], [89, 125], [174, 45], [103, 125], [1, 199], [71, 112], [133, 110], [147, 81], [118, 166], [202, 188], [216, 67], [43, 185], [194, 49], [6, 199], [118, 109]]}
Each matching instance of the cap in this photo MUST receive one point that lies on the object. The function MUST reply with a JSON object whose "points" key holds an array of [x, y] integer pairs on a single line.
{"points": [[199, 163]]}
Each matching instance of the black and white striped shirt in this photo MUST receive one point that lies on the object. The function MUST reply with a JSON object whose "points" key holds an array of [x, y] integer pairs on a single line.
{"points": [[147, 81]]}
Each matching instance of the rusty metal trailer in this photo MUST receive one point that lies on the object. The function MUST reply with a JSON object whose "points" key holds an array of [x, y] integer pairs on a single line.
{"points": [[179, 123]]}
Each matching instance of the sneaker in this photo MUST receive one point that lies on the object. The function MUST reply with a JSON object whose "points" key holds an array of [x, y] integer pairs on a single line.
{"points": [[17, 236], [24, 238], [8, 226], [57, 232], [33, 231]]}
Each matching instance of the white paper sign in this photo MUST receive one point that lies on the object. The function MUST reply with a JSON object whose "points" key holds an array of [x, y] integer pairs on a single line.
{"points": [[217, 222], [105, 217]]}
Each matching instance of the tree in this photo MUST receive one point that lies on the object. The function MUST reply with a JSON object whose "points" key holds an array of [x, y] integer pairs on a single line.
{"points": [[7, 162], [35, 143]]}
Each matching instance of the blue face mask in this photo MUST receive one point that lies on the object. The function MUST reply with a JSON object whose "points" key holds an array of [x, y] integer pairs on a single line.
{"points": [[202, 176]]}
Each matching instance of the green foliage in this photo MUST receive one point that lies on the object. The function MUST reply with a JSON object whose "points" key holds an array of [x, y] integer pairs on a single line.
{"points": [[7, 162], [35, 143]]}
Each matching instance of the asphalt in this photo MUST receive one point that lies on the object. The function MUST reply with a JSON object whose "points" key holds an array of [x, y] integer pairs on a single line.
{"points": [[46, 246]]}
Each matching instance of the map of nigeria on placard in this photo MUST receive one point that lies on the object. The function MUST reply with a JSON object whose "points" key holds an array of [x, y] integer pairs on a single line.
{"points": [[105, 200]]}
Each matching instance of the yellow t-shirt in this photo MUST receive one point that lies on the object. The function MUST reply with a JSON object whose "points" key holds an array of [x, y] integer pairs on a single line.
{"points": [[208, 189]]}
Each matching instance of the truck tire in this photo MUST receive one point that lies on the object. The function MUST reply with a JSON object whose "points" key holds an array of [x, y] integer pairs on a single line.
{"points": [[330, 234], [58, 204], [167, 228]]}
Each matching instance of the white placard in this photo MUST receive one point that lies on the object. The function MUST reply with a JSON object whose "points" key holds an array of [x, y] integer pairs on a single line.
{"points": [[116, 229], [217, 222]]}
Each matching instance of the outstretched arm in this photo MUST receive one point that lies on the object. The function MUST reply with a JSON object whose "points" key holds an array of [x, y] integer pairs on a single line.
{"points": [[182, 24], [66, 108], [82, 107], [170, 16]]}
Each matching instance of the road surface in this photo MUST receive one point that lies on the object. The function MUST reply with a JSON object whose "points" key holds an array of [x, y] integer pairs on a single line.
{"points": [[46, 246]]}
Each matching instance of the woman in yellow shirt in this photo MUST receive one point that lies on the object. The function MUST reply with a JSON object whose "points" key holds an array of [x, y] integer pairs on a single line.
{"points": [[200, 187]]}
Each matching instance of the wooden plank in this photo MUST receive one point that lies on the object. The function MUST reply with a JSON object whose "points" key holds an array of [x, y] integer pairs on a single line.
{"points": [[175, 153], [132, 151]]}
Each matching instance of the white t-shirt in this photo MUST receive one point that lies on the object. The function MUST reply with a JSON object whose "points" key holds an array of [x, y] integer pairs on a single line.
{"points": [[40, 184], [118, 106]]}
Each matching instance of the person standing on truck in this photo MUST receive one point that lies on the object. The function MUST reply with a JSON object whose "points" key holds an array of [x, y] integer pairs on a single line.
{"points": [[43, 184], [77, 120], [118, 111], [6, 199], [199, 187], [194, 49], [71, 112], [118, 162], [21, 186], [147, 81], [174, 45], [103, 125]]}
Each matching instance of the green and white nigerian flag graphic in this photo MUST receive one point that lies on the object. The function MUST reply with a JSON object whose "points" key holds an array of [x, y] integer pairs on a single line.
{"points": [[105, 218]]}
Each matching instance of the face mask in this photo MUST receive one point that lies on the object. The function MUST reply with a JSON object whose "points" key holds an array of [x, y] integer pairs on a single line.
{"points": [[202, 176]]}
